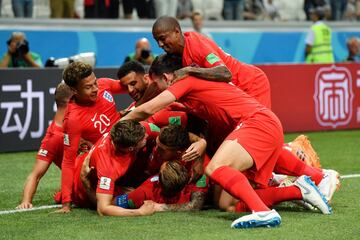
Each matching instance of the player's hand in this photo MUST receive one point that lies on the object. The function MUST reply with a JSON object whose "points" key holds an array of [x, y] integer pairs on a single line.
{"points": [[159, 207], [195, 151], [148, 208], [24, 205], [179, 74], [65, 208]]}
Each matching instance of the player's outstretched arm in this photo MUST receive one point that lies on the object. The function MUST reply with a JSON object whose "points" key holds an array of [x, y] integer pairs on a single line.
{"points": [[31, 183], [196, 203], [147, 109], [218, 73], [105, 207]]}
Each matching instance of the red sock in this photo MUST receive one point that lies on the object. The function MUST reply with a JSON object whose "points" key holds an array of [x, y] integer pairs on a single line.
{"points": [[289, 164], [235, 183], [272, 196]]}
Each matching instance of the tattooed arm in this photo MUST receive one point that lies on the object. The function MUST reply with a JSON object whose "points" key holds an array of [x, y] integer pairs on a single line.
{"points": [[218, 73], [197, 200]]}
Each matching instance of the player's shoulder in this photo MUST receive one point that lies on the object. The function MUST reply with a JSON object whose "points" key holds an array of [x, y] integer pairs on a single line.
{"points": [[150, 127]]}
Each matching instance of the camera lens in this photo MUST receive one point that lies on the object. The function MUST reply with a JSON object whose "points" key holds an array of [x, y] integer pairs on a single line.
{"points": [[145, 53]]}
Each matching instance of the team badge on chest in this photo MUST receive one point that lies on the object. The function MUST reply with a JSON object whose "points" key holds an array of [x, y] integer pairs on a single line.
{"points": [[108, 96]]}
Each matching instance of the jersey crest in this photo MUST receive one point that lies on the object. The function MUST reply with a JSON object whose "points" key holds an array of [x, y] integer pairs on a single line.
{"points": [[108, 96]]}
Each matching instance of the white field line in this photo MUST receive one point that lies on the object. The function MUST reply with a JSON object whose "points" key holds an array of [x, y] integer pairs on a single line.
{"points": [[59, 205], [29, 209], [350, 176]]}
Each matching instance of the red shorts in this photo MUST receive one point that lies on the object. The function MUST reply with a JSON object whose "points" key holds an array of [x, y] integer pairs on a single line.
{"points": [[262, 137], [254, 82], [52, 146]]}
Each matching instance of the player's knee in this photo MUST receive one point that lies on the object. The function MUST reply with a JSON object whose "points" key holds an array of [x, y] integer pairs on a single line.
{"points": [[211, 167]]}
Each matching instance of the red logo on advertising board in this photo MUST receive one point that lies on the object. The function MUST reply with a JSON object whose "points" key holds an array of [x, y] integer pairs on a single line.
{"points": [[333, 96]]}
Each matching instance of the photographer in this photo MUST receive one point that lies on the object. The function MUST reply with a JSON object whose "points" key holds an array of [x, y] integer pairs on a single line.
{"points": [[142, 53], [19, 54]]}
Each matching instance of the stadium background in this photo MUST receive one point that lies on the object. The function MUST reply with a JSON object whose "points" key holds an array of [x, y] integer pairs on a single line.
{"points": [[27, 95]]}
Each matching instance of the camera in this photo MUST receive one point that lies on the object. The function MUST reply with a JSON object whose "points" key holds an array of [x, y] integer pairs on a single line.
{"points": [[145, 53], [22, 48]]}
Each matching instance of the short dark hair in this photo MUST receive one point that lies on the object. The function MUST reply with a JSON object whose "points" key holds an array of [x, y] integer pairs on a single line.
{"points": [[165, 63], [62, 94], [173, 178], [166, 23], [128, 67], [127, 133], [75, 72], [175, 136]]}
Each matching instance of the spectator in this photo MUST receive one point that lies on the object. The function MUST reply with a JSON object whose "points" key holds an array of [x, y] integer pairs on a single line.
{"points": [[165, 7], [142, 52], [353, 45], [144, 8], [19, 54], [62, 8], [290, 10], [271, 10], [353, 10], [233, 9], [318, 41], [338, 8], [198, 22], [96, 8], [254, 10], [22, 8], [309, 4], [184, 9]]}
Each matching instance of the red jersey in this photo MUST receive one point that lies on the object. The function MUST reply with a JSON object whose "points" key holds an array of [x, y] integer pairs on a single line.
{"points": [[89, 123], [109, 165], [222, 105], [151, 190], [173, 114], [203, 52], [52, 147]]}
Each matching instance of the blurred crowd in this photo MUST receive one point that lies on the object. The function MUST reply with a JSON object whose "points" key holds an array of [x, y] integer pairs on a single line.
{"points": [[276, 10]]}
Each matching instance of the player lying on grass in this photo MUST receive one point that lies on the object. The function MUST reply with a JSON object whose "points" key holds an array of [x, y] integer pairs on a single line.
{"points": [[178, 141], [180, 185], [170, 189], [110, 159], [51, 148], [252, 135]]}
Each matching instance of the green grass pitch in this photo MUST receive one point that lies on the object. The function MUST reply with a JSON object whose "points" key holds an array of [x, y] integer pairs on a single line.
{"points": [[338, 150]]}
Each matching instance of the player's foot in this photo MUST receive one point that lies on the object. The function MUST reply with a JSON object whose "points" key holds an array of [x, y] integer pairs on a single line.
{"points": [[289, 181], [311, 194], [258, 219], [302, 148], [330, 183]]}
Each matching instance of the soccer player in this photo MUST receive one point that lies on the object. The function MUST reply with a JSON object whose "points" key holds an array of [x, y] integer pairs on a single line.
{"points": [[110, 158], [203, 58], [51, 148], [136, 81], [91, 113], [170, 190], [172, 143], [253, 136]]}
